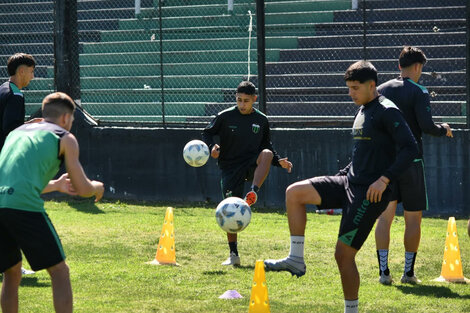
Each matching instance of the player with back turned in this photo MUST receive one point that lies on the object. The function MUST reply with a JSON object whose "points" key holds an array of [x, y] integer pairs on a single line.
{"points": [[413, 100], [245, 152]]}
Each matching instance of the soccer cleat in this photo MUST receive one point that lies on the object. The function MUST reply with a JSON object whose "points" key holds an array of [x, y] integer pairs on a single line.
{"points": [[232, 260], [27, 272], [385, 279], [405, 279], [295, 268], [251, 198]]}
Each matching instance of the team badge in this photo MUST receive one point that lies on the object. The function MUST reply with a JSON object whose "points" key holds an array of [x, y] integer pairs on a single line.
{"points": [[255, 128]]}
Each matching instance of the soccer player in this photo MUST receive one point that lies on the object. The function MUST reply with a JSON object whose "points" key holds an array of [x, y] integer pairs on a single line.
{"points": [[245, 152], [383, 147], [30, 158], [410, 188]]}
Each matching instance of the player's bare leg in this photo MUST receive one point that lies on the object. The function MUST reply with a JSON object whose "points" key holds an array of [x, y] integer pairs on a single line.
{"points": [[61, 287], [298, 195], [261, 172], [11, 283], [382, 241], [412, 239], [346, 259]]}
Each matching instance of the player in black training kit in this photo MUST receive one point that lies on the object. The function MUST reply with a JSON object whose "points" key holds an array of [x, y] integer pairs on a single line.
{"points": [[413, 100], [383, 148], [245, 152]]}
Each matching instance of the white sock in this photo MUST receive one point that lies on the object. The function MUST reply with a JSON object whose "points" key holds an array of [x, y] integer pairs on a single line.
{"points": [[351, 306], [297, 246], [383, 259], [409, 261]]}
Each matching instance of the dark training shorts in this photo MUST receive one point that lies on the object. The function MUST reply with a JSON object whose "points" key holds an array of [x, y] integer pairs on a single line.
{"points": [[32, 233], [359, 215], [410, 188], [233, 179]]}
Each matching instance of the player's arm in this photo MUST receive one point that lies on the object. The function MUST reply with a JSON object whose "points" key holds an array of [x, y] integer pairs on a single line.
{"points": [[62, 184], [407, 150], [423, 114], [80, 182], [13, 116], [208, 136]]}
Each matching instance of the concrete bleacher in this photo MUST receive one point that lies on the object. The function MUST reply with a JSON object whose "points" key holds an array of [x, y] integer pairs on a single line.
{"points": [[309, 44]]}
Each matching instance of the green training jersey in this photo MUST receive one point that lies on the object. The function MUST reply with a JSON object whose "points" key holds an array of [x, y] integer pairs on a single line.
{"points": [[29, 159]]}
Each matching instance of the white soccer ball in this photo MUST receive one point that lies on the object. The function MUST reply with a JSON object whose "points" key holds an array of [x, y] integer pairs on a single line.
{"points": [[196, 153], [233, 215]]}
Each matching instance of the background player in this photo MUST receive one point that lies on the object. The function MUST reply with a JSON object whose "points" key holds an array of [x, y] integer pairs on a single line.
{"points": [[245, 152], [31, 156], [383, 147], [410, 188]]}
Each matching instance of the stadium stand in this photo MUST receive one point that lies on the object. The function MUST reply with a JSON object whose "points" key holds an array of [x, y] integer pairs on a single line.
{"points": [[309, 44]]}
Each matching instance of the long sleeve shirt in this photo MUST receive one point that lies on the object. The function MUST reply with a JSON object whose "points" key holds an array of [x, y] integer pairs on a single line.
{"points": [[12, 109], [383, 144], [413, 101], [242, 137]]}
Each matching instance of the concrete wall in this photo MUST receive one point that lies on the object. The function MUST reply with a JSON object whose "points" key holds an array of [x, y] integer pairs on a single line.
{"points": [[147, 164]]}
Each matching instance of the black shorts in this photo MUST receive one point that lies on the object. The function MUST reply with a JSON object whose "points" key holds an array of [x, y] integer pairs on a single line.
{"points": [[233, 179], [32, 233], [359, 215], [410, 188]]}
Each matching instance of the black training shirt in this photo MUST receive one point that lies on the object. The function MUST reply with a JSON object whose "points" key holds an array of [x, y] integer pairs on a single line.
{"points": [[12, 109], [413, 101], [242, 137], [382, 143]]}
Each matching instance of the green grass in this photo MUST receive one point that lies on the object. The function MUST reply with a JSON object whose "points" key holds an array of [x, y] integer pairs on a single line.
{"points": [[107, 245]]}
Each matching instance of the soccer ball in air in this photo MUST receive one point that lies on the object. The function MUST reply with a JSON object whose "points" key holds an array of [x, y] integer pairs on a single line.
{"points": [[196, 153], [233, 215]]}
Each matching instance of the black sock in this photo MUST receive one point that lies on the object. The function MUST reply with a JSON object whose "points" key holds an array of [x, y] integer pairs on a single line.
{"points": [[255, 188], [233, 247]]}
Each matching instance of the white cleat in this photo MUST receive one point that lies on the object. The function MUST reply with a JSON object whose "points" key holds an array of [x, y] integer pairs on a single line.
{"points": [[294, 267], [405, 279], [232, 260], [385, 279], [27, 272]]}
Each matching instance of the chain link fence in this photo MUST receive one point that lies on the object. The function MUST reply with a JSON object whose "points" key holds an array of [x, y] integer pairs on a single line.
{"points": [[180, 61]]}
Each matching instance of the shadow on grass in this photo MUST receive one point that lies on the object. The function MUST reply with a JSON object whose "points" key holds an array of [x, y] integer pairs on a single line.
{"points": [[214, 273], [431, 291], [85, 206], [29, 281]]}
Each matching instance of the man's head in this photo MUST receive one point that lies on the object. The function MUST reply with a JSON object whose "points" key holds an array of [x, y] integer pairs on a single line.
{"points": [[411, 62], [58, 108], [246, 96], [20, 67], [361, 79]]}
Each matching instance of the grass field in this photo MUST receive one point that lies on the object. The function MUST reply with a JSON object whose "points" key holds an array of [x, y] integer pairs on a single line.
{"points": [[107, 245]]}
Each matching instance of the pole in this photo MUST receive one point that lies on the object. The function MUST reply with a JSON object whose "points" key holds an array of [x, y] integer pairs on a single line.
{"points": [[364, 27], [260, 34], [66, 49], [160, 2], [467, 71]]}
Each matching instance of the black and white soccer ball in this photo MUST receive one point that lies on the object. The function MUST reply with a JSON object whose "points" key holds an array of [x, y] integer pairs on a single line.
{"points": [[196, 153], [233, 215]]}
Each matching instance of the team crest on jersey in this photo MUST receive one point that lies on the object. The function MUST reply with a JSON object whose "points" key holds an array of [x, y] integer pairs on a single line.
{"points": [[255, 128]]}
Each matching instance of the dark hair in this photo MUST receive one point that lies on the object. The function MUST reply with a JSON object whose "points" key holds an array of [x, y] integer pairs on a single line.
{"points": [[411, 55], [56, 104], [361, 71], [17, 60], [246, 87]]}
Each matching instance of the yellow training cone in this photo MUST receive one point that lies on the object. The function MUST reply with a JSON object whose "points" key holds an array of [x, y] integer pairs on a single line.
{"points": [[166, 245], [452, 264], [259, 302]]}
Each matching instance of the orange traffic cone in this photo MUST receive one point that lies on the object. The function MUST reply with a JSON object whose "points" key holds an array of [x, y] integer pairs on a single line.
{"points": [[166, 245], [452, 264], [259, 302]]}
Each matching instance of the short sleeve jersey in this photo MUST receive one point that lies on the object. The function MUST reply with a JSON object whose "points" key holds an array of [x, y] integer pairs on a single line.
{"points": [[12, 109], [29, 159]]}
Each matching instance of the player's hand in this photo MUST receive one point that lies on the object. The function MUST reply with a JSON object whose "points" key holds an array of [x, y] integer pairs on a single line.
{"points": [[286, 164], [99, 189], [215, 151], [376, 189], [64, 185], [449, 130]]}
